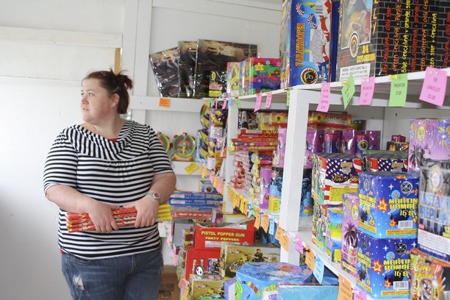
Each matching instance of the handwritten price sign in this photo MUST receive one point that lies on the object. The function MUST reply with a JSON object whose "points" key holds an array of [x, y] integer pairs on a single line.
{"points": [[434, 86], [324, 104]]}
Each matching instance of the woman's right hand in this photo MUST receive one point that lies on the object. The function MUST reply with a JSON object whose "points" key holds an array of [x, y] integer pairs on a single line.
{"points": [[102, 217]]}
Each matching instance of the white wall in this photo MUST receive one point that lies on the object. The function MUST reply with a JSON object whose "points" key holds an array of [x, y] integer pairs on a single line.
{"points": [[40, 75]]}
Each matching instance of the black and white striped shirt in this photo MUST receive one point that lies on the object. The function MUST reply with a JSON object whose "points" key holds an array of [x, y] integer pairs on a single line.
{"points": [[111, 172]]}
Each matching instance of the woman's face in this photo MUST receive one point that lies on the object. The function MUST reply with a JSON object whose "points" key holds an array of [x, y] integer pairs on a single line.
{"points": [[96, 104]]}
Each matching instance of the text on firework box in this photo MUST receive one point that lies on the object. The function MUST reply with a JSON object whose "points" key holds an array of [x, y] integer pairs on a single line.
{"points": [[208, 235]]}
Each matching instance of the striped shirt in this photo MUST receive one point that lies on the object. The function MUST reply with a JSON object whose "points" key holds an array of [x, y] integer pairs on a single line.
{"points": [[116, 173]]}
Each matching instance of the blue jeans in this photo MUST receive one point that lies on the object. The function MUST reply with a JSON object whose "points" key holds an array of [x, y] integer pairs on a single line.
{"points": [[133, 277]]}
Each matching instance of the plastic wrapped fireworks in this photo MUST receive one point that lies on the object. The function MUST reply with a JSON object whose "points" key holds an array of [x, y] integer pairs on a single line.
{"points": [[165, 69]]}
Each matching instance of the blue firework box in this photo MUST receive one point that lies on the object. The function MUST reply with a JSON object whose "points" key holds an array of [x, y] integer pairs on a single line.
{"points": [[308, 292], [305, 42], [388, 203], [383, 266], [252, 279]]}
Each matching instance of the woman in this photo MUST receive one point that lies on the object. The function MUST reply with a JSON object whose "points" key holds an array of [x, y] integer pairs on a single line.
{"points": [[102, 164]]}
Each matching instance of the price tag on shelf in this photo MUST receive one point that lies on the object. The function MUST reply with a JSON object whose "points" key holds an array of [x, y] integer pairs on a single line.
{"points": [[348, 90], [298, 244], [238, 102], [279, 233], [265, 222], [399, 90], [284, 241], [324, 104], [319, 268], [358, 294], [257, 219], [309, 258], [258, 102], [191, 168], [216, 102], [164, 102], [272, 226], [288, 97], [434, 86], [367, 89], [345, 289], [224, 104], [268, 100], [242, 205]]}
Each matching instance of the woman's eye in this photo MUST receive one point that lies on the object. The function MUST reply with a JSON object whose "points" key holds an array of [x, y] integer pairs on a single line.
{"points": [[91, 94]]}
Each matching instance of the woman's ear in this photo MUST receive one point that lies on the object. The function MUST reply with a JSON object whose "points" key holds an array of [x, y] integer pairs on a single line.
{"points": [[115, 99]]}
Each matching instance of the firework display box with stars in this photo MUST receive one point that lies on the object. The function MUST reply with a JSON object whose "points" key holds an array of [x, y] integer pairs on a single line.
{"points": [[305, 39], [333, 175], [388, 203], [428, 138], [434, 209], [388, 161], [383, 37], [383, 267], [253, 279]]}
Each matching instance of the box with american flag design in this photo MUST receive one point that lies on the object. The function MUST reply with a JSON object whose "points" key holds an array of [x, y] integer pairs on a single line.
{"points": [[334, 174]]}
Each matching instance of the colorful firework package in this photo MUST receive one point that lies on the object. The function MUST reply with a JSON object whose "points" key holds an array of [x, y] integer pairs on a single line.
{"points": [[333, 233], [305, 42], [383, 267], [434, 209], [261, 75], [385, 37], [206, 287], [253, 278], [428, 138], [350, 209], [214, 56], [430, 277], [389, 161], [165, 69], [388, 204], [186, 66]]}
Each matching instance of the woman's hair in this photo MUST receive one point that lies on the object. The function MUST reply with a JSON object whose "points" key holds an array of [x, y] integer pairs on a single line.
{"points": [[115, 84]]}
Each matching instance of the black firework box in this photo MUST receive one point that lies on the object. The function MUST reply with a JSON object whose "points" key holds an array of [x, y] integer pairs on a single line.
{"points": [[188, 55], [214, 56], [384, 37], [165, 68]]}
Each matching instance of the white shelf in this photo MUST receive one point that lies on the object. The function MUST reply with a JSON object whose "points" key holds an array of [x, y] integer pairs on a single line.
{"points": [[179, 168]]}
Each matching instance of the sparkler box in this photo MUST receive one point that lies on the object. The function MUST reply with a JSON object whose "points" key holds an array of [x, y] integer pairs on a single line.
{"points": [[253, 278], [350, 208], [385, 37], [430, 277], [434, 209], [305, 42], [333, 175], [383, 268], [388, 204], [213, 235]]}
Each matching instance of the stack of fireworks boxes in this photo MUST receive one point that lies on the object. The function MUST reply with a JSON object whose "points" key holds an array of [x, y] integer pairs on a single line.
{"points": [[383, 37], [430, 155]]}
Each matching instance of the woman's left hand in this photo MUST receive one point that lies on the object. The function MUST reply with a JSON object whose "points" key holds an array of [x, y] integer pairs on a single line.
{"points": [[147, 211]]}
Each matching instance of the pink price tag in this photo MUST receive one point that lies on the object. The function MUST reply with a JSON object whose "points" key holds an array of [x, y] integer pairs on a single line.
{"points": [[224, 105], [358, 294], [367, 89], [298, 244], [217, 100], [268, 100], [324, 104], [434, 86], [258, 102]]}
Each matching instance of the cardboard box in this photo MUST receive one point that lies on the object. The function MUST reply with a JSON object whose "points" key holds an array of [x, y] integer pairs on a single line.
{"points": [[169, 284], [388, 204], [388, 161], [232, 257], [350, 209], [207, 259], [262, 75], [208, 235], [383, 37], [206, 286], [384, 265]]}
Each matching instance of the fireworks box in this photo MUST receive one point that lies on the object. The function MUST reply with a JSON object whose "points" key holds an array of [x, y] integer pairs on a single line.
{"points": [[333, 234], [307, 292], [430, 277], [261, 75], [434, 209], [212, 235], [388, 161], [333, 175], [385, 37], [350, 208], [206, 286], [253, 278], [232, 257], [383, 268], [319, 229], [201, 261], [305, 42], [233, 79], [388, 204], [428, 138]]}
